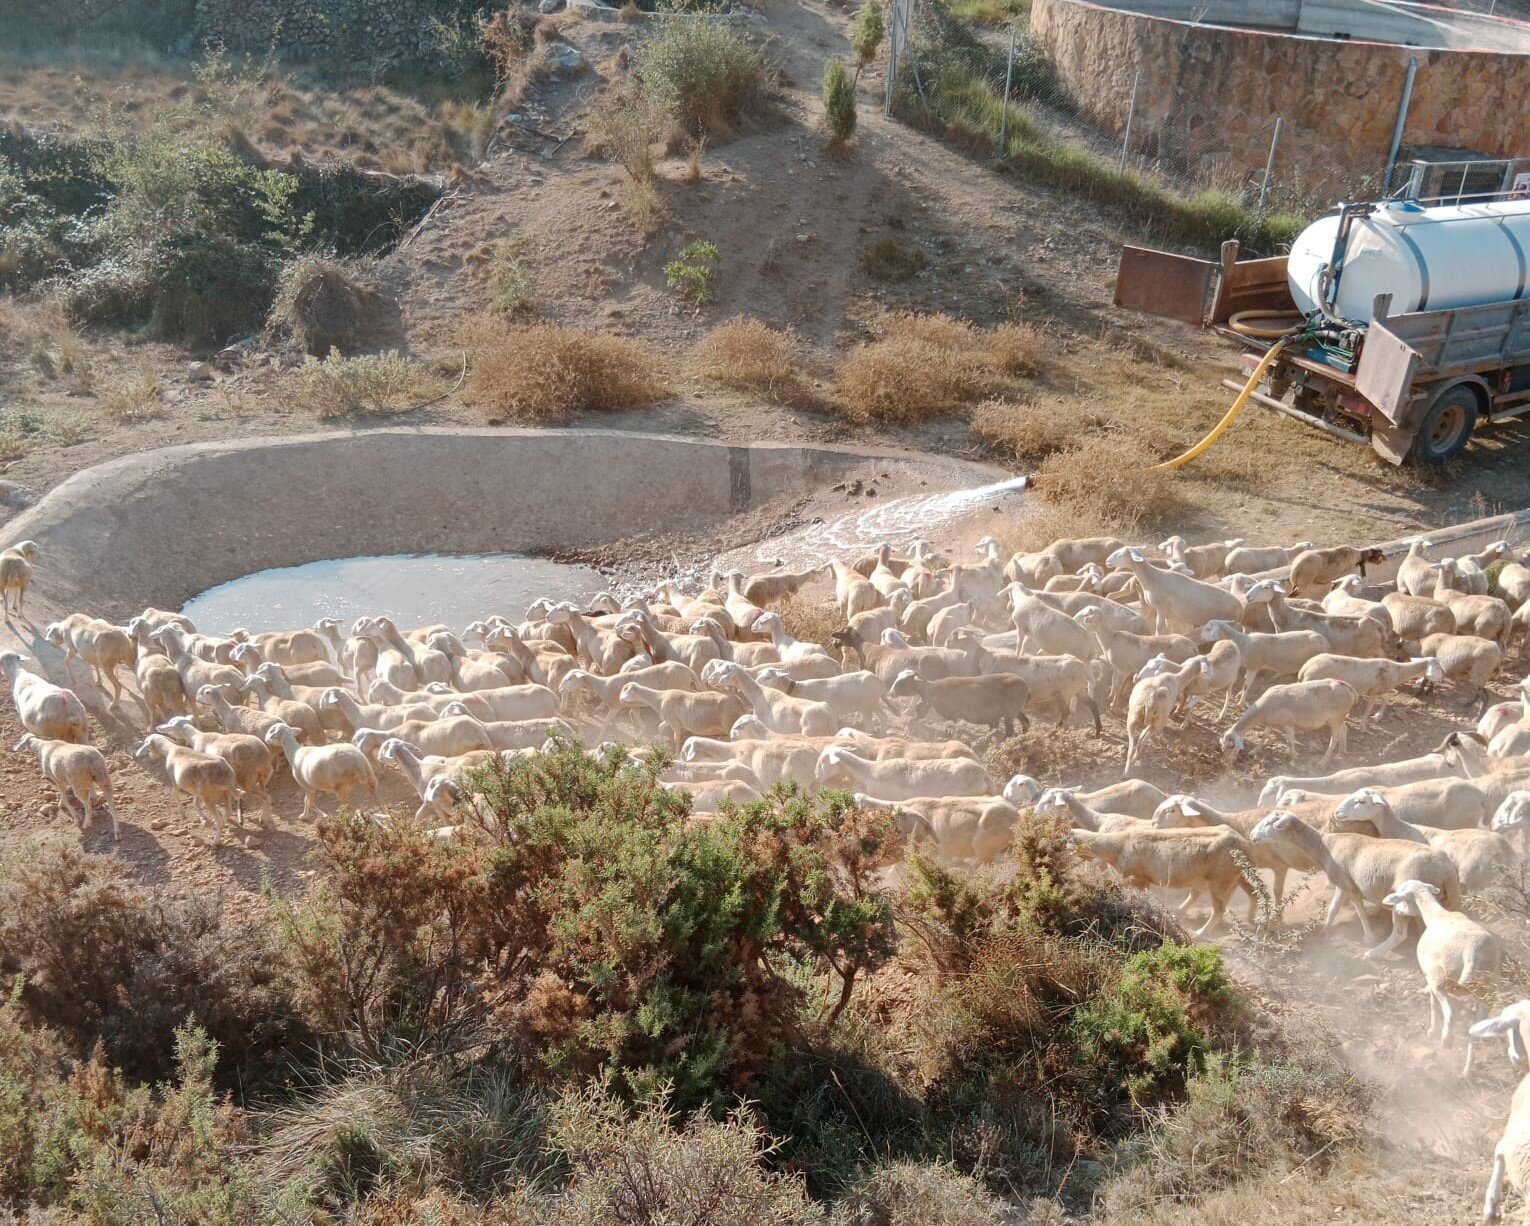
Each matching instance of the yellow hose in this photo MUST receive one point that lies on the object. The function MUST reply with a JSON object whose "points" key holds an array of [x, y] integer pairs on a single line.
{"points": [[1220, 428], [1283, 321]]}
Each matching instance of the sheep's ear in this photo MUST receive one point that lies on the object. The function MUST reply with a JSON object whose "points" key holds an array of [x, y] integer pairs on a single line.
{"points": [[1191, 808]]}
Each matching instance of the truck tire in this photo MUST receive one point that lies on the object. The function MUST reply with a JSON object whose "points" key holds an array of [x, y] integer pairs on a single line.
{"points": [[1447, 426]]}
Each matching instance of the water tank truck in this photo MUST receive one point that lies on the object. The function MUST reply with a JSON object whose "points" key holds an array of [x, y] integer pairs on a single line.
{"points": [[1405, 323]]}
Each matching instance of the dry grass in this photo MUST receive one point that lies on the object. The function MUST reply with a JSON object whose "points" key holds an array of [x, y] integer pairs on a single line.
{"points": [[889, 260], [141, 398], [921, 366], [365, 386], [1110, 477], [40, 336], [750, 356], [420, 128], [1026, 431], [547, 372]]}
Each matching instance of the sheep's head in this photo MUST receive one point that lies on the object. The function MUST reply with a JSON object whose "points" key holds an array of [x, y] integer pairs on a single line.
{"points": [[748, 728], [150, 747], [389, 749], [176, 727], [368, 740], [628, 694], [1213, 631], [441, 791], [1365, 805], [1125, 557], [893, 638], [1275, 826], [574, 681], [775, 679], [1372, 557], [1434, 671], [54, 633], [1350, 585], [1022, 791], [27, 549], [1507, 1024], [1263, 591], [278, 731], [1089, 617], [906, 683], [831, 766], [988, 546], [900, 599], [453, 710], [1232, 744], [1514, 812], [1402, 898], [1178, 810]]}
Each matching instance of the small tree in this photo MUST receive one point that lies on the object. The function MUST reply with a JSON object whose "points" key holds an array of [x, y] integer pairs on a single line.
{"points": [[838, 102], [690, 276], [867, 33]]}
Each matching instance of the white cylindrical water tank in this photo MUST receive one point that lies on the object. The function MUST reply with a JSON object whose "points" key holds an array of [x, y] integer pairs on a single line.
{"points": [[1428, 259]]}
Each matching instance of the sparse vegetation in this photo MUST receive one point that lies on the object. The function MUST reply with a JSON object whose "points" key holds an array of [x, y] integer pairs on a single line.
{"points": [[366, 385], [889, 260], [140, 398], [750, 356], [546, 372], [690, 274], [1025, 430], [713, 82], [964, 100], [511, 281]]}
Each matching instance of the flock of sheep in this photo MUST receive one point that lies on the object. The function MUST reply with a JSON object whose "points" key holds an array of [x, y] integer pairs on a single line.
{"points": [[1286, 640]]}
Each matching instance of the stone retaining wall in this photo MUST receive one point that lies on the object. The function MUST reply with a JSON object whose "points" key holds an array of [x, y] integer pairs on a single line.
{"points": [[1209, 96]]}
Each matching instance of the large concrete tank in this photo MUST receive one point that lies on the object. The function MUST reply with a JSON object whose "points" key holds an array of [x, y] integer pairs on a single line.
{"points": [[1428, 259]]}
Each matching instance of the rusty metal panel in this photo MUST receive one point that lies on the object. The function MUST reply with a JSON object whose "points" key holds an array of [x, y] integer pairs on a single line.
{"points": [[1162, 283], [1385, 374], [1252, 285]]}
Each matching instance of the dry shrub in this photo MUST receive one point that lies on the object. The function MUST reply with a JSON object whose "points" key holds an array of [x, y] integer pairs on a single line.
{"points": [[548, 372], [810, 620], [1026, 431], [711, 80], [749, 356], [1109, 476], [924, 365], [1016, 349], [104, 961], [889, 260], [624, 123], [925, 1194], [324, 304], [43, 335], [365, 386]]}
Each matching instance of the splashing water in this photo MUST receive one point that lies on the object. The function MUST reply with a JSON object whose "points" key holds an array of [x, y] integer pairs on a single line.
{"points": [[898, 521]]}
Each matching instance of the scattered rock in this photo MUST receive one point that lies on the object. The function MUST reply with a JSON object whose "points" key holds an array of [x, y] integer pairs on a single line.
{"points": [[200, 372], [159, 823], [549, 6], [563, 59], [13, 495]]}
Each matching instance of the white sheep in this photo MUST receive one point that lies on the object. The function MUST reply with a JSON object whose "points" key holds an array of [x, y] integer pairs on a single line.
{"points": [[1207, 861], [1152, 704], [75, 771], [902, 779], [1446, 803], [207, 780], [1372, 679], [248, 755], [960, 827], [1302, 706], [336, 770], [103, 647], [781, 713], [1482, 858], [1178, 602], [1511, 1156], [1281, 654], [16, 564], [1454, 952], [45, 709]]}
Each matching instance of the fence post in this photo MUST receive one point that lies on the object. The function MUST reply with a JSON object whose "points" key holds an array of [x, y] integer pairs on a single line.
{"points": [[1397, 128], [1269, 169], [892, 59], [1009, 72], [1131, 114]]}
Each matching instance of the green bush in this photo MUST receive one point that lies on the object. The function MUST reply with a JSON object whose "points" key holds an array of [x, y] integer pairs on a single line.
{"points": [[867, 32], [1152, 1028], [594, 925], [690, 275], [707, 74], [838, 102]]}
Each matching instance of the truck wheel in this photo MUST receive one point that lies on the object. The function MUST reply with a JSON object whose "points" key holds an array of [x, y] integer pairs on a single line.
{"points": [[1447, 426]]}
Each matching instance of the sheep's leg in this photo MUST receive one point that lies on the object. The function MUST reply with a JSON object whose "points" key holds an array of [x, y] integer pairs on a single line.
{"points": [[1094, 710], [1397, 936], [1278, 889], [63, 803], [1226, 703], [1248, 685], [1334, 904], [1291, 743], [1218, 906], [1492, 1203], [1447, 1017], [1434, 1012], [308, 804]]}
